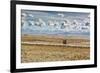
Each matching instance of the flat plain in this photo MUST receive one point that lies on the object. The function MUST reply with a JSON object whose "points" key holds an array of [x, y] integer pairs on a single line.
{"points": [[38, 48]]}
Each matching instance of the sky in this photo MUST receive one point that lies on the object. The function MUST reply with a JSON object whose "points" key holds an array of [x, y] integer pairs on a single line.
{"points": [[54, 22]]}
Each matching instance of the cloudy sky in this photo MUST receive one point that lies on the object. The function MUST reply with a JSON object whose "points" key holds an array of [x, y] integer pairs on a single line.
{"points": [[54, 22]]}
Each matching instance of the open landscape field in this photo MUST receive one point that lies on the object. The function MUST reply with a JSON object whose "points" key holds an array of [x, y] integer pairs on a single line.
{"points": [[54, 48]]}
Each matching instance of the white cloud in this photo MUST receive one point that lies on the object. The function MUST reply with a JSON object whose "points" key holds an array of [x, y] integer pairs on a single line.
{"points": [[60, 14]]}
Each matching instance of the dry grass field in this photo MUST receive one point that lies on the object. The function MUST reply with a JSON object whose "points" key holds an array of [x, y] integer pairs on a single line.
{"points": [[45, 53]]}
